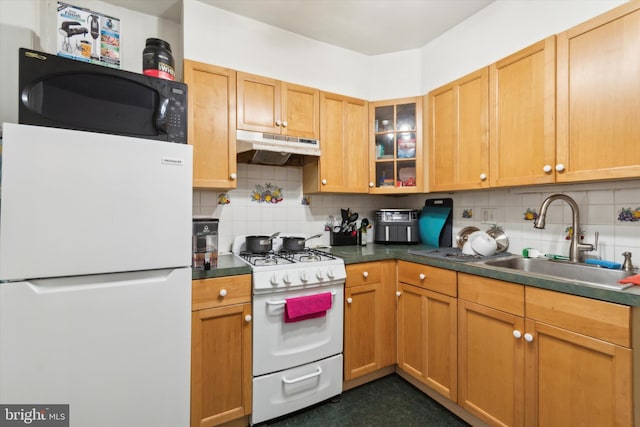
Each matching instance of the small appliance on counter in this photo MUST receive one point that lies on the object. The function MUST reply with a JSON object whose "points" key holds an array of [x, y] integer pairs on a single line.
{"points": [[205, 243], [397, 226]]}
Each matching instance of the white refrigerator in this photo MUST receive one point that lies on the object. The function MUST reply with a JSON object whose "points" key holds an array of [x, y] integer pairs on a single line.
{"points": [[95, 277]]}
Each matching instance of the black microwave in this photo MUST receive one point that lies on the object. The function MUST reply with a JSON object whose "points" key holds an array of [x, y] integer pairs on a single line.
{"points": [[70, 94]]}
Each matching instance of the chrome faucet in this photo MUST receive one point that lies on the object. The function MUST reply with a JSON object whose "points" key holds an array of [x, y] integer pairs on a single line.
{"points": [[576, 247]]}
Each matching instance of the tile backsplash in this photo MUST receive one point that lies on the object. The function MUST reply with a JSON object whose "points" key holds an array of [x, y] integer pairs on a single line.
{"points": [[270, 199]]}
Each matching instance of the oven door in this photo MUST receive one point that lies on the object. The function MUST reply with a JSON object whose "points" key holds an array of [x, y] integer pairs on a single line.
{"points": [[278, 345]]}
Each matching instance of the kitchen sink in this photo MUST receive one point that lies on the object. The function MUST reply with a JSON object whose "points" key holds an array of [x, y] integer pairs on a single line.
{"points": [[563, 270]]}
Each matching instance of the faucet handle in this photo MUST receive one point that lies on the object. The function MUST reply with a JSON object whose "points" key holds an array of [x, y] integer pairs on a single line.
{"points": [[588, 247]]}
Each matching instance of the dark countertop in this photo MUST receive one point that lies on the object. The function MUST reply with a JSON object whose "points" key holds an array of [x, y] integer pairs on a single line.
{"points": [[229, 265]]}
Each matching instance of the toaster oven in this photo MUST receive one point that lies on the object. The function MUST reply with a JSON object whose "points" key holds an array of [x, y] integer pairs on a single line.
{"points": [[397, 226]]}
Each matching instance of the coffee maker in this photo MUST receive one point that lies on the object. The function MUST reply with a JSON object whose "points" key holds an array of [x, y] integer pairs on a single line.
{"points": [[205, 243]]}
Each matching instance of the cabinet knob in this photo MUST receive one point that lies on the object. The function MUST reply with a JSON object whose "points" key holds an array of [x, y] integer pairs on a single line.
{"points": [[528, 337], [278, 122], [398, 293], [365, 274], [284, 124], [483, 176], [517, 334], [247, 318], [349, 300], [547, 168], [324, 182], [371, 184], [233, 176], [223, 292], [422, 276], [560, 167]]}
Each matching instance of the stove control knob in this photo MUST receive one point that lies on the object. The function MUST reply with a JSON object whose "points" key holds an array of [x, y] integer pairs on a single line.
{"points": [[319, 275], [274, 279], [286, 279], [330, 274], [303, 276]]}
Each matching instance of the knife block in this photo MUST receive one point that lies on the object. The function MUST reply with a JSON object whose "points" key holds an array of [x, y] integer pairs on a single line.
{"points": [[339, 239]]}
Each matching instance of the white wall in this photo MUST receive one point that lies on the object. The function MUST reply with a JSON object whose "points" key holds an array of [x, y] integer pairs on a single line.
{"points": [[222, 38], [498, 30]]}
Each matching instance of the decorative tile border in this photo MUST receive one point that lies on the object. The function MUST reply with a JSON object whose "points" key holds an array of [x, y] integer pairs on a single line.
{"points": [[267, 193], [530, 214], [629, 215], [223, 199]]}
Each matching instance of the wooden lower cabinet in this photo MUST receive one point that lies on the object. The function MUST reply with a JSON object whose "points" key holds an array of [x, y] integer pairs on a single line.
{"points": [[491, 364], [427, 326], [220, 350], [369, 318], [579, 364], [567, 362]]}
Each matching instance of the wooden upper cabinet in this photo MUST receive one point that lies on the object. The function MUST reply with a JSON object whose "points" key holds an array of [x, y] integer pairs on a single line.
{"points": [[599, 97], [343, 166], [212, 124], [522, 116], [300, 111], [272, 106], [459, 134], [395, 146]]}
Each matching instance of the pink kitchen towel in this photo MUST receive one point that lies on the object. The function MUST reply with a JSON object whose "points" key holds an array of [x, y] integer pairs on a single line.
{"points": [[307, 307]]}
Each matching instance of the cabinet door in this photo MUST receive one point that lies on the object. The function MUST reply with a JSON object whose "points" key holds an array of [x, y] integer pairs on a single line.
{"points": [[259, 103], [343, 166], [459, 134], [490, 364], [370, 325], [427, 328], [220, 364], [212, 122], [599, 97], [300, 111], [395, 146], [575, 380], [522, 116]]}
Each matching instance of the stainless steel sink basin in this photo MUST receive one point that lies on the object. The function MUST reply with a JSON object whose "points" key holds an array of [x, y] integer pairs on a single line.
{"points": [[563, 270]]}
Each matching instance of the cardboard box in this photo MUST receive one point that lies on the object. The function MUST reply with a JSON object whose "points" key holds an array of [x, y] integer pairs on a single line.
{"points": [[88, 36]]}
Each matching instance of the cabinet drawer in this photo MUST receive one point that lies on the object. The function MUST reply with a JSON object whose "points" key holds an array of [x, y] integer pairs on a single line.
{"points": [[220, 291], [362, 274], [599, 319], [427, 277], [504, 296]]}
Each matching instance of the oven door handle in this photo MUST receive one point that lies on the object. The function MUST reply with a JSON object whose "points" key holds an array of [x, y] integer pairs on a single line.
{"points": [[304, 377], [282, 302]]}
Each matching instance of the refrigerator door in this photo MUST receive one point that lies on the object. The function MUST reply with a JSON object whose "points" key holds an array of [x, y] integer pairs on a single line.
{"points": [[77, 203], [115, 347]]}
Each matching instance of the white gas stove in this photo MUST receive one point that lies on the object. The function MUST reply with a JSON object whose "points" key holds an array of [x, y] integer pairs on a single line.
{"points": [[296, 363], [280, 270]]}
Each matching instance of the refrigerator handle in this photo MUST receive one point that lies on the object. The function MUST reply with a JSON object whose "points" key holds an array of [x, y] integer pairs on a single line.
{"points": [[84, 283]]}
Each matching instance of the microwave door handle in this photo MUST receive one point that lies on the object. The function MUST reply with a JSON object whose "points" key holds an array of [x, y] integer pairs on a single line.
{"points": [[161, 115]]}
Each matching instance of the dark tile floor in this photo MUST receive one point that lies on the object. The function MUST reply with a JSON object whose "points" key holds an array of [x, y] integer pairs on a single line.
{"points": [[388, 402]]}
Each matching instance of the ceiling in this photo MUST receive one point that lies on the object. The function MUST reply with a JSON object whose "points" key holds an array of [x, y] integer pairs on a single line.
{"points": [[370, 27]]}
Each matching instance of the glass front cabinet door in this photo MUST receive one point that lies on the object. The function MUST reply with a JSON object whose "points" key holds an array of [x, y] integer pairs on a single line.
{"points": [[396, 144]]}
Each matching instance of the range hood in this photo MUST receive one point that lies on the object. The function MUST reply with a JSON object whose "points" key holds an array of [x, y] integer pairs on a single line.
{"points": [[271, 149]]}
